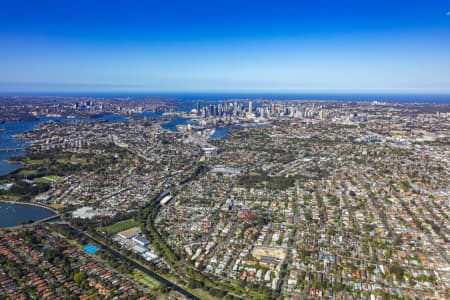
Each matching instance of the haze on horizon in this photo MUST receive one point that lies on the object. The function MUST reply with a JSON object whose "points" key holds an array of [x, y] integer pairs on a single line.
{"points": [[219, 46]]}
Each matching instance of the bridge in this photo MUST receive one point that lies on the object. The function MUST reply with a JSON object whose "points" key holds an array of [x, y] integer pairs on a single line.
{"points": [[40, 221], [48, 219]]}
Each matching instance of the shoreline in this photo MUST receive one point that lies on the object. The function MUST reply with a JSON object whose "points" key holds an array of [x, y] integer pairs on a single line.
{"points": [[18, 164], [35, 204], [21, 152]]}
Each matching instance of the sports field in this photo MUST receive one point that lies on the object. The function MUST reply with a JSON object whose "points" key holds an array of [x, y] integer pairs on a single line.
{"points": [[120, 226]]}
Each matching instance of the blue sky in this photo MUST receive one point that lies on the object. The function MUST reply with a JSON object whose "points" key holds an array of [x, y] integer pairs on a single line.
{"points": [[225, 46]]}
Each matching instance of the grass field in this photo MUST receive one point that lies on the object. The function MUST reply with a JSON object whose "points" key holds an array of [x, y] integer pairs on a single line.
{"points": [[146, 280], [120, 226], [25, 172], [74, 161], [64, 161], [47, 179], [57, 205], [10, 197], [34, 161]]}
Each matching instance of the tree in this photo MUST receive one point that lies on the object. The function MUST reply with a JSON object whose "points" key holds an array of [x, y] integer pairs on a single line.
{"points": [[78, 277]]}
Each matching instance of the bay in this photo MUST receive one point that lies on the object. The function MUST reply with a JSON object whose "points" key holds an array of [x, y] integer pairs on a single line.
{"points": [[14, 214]]}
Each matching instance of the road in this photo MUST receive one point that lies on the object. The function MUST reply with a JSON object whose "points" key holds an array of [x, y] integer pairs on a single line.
{"points": [[138, 266]]}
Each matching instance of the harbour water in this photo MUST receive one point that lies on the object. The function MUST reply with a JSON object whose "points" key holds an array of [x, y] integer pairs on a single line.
{"points": [[220, 133], [172, 124], [8, 142], [14, 214]]}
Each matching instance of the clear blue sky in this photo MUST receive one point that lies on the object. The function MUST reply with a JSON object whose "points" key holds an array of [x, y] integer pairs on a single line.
{"points": [[225, 46]]}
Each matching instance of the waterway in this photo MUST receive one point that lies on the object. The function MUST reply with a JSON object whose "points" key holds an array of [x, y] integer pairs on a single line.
{"points": [[219, 133], [7, 141], [222, 132], [14, 214], [172, 124]]}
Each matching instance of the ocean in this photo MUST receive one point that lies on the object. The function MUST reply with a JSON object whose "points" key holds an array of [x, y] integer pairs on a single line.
{"points": [[439, 98]]}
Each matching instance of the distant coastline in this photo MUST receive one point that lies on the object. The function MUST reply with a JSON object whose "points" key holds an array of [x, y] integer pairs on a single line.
{"points": [[429, 98]]}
